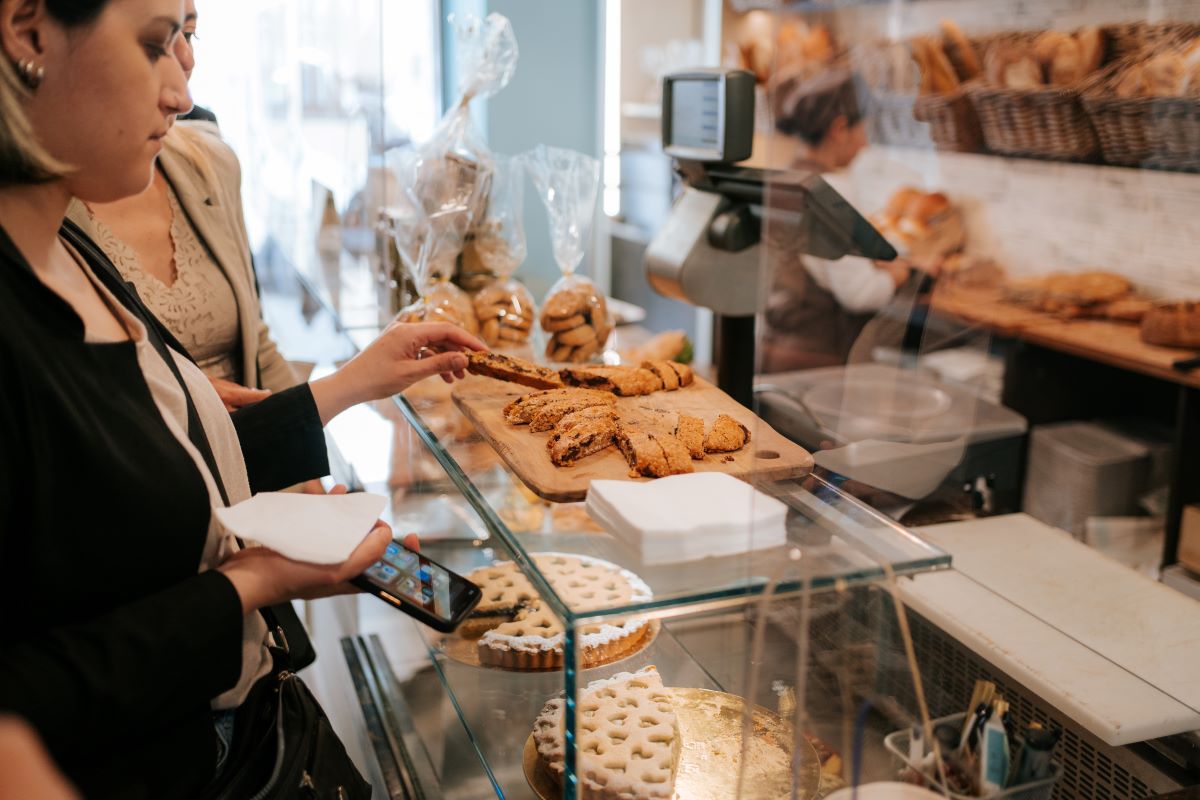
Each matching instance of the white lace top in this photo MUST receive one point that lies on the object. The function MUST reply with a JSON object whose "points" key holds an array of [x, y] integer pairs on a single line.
{"points": [[199, 308]]}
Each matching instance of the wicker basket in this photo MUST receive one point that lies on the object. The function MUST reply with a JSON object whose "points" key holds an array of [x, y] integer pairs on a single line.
{"points": [[953, 123], [1047, 122], [1157, 132]]}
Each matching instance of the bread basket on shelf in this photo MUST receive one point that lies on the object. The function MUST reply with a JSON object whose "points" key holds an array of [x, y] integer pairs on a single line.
{"points": [[1034, 120], [913, 109], [953, 123], [1148, 127]]}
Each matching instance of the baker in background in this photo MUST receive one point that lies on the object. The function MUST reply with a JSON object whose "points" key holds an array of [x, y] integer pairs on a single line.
{"points": [[816, 308]]}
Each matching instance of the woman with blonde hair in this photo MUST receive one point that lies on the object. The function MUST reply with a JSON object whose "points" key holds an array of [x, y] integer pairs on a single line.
{"points": [[132, 632]]}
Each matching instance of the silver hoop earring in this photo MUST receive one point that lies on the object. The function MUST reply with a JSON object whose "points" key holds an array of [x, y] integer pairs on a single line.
{"points": [[31, 74]]}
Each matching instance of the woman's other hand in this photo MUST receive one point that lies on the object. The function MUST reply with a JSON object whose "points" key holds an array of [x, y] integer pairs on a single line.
{"points": [[236, 396], [263, 577], [403, 354], [410, 541]]}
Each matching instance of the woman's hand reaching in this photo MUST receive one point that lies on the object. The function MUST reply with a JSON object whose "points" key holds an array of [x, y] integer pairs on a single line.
{"points": [[403, 354]]}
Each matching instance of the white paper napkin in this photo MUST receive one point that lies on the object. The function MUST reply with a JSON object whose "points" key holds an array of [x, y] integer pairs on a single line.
{"points": [[320, 529], [687, 517]]}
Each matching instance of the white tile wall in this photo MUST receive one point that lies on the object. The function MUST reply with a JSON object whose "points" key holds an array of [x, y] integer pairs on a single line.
{"points": [[1037, 216]]}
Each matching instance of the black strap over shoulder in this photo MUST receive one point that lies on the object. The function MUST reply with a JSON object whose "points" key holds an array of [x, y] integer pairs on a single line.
{"points": [[281, 619]]}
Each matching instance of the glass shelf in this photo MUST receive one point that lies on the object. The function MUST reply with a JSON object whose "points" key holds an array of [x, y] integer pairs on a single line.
{"points": [[832, 536]]}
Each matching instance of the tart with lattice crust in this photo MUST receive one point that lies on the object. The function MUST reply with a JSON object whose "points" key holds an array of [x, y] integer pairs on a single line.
{"points": [[627, 738], [518, 631]]}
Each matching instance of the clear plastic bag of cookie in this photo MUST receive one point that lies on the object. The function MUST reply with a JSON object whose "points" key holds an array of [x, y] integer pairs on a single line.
{"points": [[495, 246], [574, 314], [505, 313], [442, 301], [446, 181], [503, 306]]}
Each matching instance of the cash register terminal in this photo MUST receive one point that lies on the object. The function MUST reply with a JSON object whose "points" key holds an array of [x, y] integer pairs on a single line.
{"points": [[708, 253]]}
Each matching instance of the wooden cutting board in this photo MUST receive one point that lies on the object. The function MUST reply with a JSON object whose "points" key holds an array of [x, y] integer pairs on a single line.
{"points": [[768, 456]]}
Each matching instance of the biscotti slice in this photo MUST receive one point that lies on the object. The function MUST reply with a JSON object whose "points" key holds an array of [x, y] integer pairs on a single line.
{"points": [[581, 440], [690, 431], [513, 370], [726, 435], [644, 454], [665, 373], [623, 381], [522, 410], [628, 740], [679, 460], [685, 373], [586, 415], [548, 415]]}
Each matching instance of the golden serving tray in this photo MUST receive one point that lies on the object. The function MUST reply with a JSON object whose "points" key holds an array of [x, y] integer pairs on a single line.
{"points": [[710, 725]]}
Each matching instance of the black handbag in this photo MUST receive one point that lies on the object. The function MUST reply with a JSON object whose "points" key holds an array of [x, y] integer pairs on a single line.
{"points": [[284, 746]]}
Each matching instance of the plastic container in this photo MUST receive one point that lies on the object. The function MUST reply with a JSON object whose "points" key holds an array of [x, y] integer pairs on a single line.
{"points": [[1079, 470], [897, 745]]}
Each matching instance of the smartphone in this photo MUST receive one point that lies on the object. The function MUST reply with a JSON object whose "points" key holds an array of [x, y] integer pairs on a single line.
{"points": [[420, 587]]}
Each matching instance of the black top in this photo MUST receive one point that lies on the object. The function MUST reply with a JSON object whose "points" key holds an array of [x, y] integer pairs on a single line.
{"points": [[111, 644]]}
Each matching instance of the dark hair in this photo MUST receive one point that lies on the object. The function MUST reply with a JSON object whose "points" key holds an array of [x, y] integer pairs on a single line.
{"points": [[806, 105], [22, 158], [73, 13]]}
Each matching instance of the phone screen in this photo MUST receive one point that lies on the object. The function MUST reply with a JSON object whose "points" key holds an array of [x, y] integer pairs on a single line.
{"points": [[422, 582]]}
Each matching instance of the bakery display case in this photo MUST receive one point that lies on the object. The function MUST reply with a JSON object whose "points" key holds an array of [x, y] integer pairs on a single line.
{"points": [[567, 605]]}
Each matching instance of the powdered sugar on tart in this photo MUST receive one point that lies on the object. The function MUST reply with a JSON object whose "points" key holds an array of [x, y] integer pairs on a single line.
{"points": [[627, 738]]}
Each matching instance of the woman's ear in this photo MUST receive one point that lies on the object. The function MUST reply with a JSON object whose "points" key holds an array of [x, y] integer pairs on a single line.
{"points": [[838, 128], [21, 35]]}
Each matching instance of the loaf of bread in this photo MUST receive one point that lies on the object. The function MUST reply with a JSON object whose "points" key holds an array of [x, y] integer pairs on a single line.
{"points": [[960, 51], [1172, 325], [1091, 48], [1175, 73], [1054, 58], [1024, 73], [937, 73], [1066, 66]]}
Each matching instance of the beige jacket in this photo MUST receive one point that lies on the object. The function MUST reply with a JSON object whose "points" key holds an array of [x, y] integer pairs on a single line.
{"points": [[214, 209]]}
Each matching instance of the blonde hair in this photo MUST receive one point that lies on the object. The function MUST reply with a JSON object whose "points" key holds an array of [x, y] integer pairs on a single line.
{"points": [[22, 157]]}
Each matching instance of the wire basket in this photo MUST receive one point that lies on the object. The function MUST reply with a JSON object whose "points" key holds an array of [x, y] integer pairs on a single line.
{"points": [[897, 745]]}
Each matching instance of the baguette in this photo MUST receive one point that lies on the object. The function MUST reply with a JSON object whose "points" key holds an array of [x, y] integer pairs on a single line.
{"points": [[960, 51]]}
